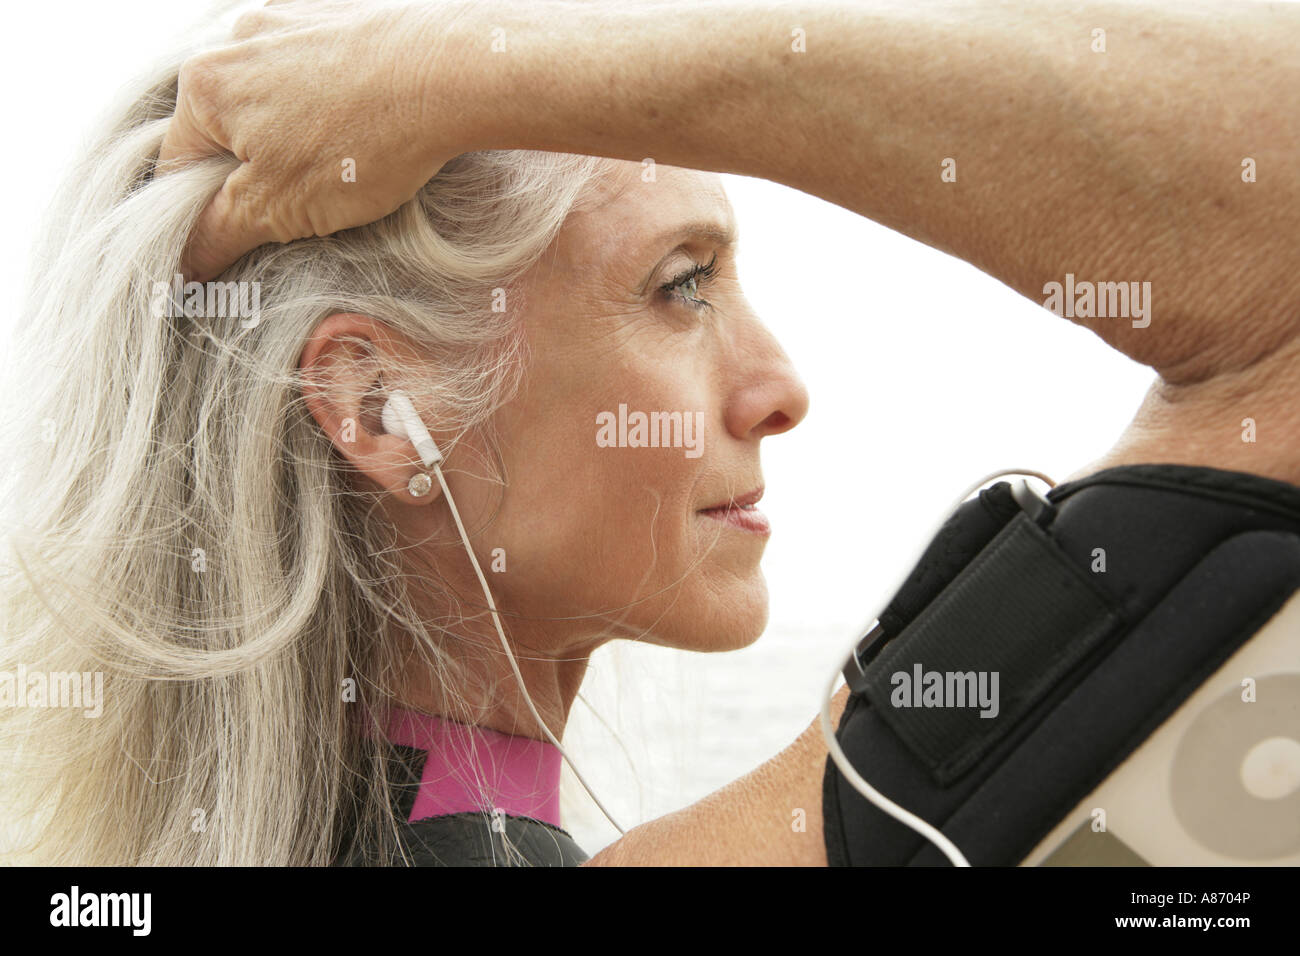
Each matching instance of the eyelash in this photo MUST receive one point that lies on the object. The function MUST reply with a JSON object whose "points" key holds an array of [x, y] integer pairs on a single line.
{"points": [[703, 273]]}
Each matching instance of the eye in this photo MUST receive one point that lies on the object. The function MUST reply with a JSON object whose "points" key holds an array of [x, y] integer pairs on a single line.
{"points": [[686, 285]]}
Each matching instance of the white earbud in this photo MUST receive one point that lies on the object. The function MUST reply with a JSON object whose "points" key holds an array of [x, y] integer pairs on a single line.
{"points": [[401, 420]]}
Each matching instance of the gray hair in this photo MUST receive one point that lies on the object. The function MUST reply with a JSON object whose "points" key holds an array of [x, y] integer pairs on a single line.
{"points": [[181, 524]]}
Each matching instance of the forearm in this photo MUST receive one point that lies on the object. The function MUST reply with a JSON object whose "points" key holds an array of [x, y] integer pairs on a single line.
{"points": [[1116, 166], [772, 816]]}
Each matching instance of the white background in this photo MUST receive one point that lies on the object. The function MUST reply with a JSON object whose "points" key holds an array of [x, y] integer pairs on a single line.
{"points": [[924, 373]]}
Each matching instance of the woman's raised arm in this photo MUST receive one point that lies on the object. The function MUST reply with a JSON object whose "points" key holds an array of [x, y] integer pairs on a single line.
{"points": [[1116, 143]]}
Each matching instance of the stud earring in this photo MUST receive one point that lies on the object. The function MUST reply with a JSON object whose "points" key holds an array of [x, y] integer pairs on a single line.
{"points": [[419, 485]]}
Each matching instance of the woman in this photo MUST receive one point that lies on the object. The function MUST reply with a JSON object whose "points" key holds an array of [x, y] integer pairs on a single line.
{"points": [[224, 527], [1111, 187]]}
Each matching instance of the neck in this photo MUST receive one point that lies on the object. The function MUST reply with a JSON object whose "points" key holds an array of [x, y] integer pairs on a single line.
{"points": [[486, 692]]}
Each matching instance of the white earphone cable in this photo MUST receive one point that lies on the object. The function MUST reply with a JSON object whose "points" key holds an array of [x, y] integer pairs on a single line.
{"points": [[400, 419], [487, 593]]}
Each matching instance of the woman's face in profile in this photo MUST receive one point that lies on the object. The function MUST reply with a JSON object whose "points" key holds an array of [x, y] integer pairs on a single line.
{"points": [[594, 518]]}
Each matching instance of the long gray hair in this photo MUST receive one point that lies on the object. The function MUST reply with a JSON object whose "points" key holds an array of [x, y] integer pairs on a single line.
{"points": [[181, 525]]}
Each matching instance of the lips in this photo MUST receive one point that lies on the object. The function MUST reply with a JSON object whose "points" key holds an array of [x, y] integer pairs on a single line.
{"points": [[741, 501], [740, 513]]}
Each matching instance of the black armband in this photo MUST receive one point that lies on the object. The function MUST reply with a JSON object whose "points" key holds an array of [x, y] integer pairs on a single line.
{"points": [[1040, 640]]}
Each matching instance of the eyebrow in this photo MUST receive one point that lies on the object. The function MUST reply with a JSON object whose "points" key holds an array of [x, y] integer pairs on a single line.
{"points": [[708, 230]]}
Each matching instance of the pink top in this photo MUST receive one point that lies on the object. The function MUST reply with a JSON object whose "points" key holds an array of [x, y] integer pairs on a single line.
{"points": [[520, 776]]}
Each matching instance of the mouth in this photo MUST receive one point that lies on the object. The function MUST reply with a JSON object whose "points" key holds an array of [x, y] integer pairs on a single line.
{"points": [[741, 513]]}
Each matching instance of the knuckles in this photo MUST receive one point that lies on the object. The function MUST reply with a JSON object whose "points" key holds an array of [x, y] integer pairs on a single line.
{"points": [[252, 23], [199, 87]]}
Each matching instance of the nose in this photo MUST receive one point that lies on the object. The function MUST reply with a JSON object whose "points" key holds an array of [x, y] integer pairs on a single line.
{"points": [[769, 397]]}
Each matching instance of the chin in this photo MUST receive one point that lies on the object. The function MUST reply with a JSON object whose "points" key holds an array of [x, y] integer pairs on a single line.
{"points": [[726, 619]]}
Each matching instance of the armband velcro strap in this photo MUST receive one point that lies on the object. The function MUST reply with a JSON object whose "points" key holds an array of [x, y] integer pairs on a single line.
{"points": [[1011, 625]]}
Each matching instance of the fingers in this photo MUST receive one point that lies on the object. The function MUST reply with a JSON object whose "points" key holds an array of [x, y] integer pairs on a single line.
{"points": [[182, 143], [187, 138], [226, 229], [210, 252]]}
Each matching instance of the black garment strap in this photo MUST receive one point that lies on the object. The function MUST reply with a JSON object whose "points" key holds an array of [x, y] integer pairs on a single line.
{"points": [[477, 839]]}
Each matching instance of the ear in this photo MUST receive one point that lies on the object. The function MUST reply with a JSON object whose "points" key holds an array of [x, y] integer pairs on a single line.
{"points": [[342, 388]]}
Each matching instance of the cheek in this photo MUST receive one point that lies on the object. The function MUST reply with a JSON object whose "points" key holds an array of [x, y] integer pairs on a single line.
{"points": [[643, 498], [598, 528], [590, 528]]}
